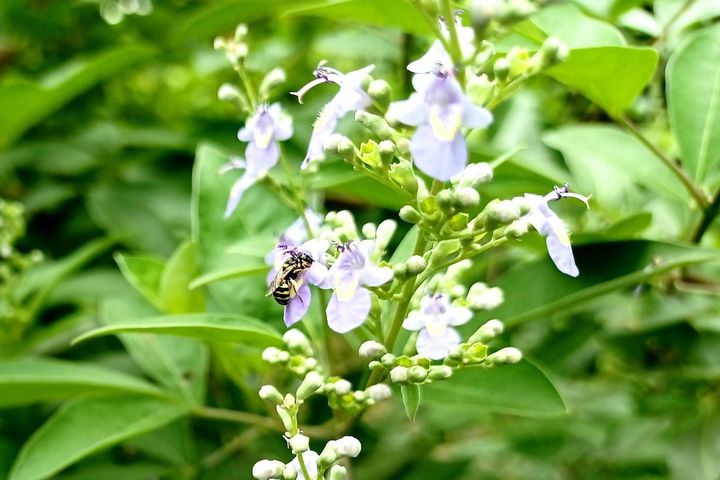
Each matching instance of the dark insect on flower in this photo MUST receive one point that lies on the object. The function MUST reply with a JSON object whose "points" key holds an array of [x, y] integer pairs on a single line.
{"points": [[288, 280]]}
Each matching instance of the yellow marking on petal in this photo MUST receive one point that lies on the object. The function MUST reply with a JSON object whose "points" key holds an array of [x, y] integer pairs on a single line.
{"points": [[263, 140], [345, 290], [435, 326], [561, 232], [445, 130]]}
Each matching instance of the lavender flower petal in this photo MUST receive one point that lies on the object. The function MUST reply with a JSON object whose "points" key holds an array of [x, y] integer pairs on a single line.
{"points": [[436, 348], [348, 315], [439, 159], [459, 315], [415, 321], [261, 160], [413, 111], [238, 189], [298, 306]]}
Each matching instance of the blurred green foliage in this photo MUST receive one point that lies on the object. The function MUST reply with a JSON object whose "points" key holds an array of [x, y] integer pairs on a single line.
{"points": [[111, 136]]}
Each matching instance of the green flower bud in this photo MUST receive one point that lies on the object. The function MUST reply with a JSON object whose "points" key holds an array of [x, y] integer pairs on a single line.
{"points": [[299, 443], [400, 271], [444, 199], [403, 145], [480, 89], [341, 146], [388, 360], [229, 92], [375, 365], [409, 214], [476, 353], [415, 265], [310, 384], [337, 472], [488, 331], [422, 361], [440, 372], [241, 32], [369, 154], [501, 68], [383, 235], [403, 361], [348, 446], [417, 374], [368, 230], [284, 417], [552, 52], [517, 229], [290, 473], [375, 124], [379, 91], [270, 394], [502, 212], [443, 250], [329, 455], [482, 12], [399, 375], [386, 149], [456, 353], [507, 355], [484, 54], [360, 396], [516, 10], [341, 386], [458, 222], [402, 174], [274, 355], [519, 60]]}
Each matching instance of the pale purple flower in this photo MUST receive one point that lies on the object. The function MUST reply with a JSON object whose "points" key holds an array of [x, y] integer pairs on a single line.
{"points": [[437, 57], [349, 98], [548, 224], [435, 320], [263, 130], [310, 459], [353, 270], [439, 108], [297, 232], [298, 306]]}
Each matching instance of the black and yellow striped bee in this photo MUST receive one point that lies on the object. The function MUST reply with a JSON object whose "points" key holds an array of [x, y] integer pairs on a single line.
{"points": [[287, 282]]}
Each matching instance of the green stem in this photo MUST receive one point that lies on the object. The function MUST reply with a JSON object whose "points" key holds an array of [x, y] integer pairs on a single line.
{"points": [[697, 194], [708, 215], [236, 416], [454, 45], [247, 84], [666, 28], [295, 431], [223, 453]]}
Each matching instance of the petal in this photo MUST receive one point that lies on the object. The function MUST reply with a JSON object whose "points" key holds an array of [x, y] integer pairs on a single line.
{"points": [[346, 286], [310, 459], [316, 248], [245, 134], [412, 111], [282, 121], [261, 160], [298, 306], [346, 316], [316, 274], [459, 315], [439, 159], [322, 129], [561, 255], [436, 348], [238, 188], [475, 117], [435, 57], [374, 276], [445, 121], [414, 321]]}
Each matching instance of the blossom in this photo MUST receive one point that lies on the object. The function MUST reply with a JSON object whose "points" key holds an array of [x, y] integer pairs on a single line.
{"points": [[435, 320], [548, 224], [297, 232], [298, 305], [263, 130], [437, 56], [310, 459], [439, 108], [353, 270], [349, 98]]}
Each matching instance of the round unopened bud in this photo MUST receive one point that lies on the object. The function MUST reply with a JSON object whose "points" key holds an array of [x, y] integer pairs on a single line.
{"points": [[270, 394], [400, 271], [553, 51], [368, 230], [409, 214], [456, 353], [444, 199], [297, 342], [329, 455], [342, 386], [228, 92], [341, 146], [503, 211], [517, 229], [299, 443], [348, 446], [488, 331], [388, 360], [416, 265], [337, 472], [384, 234], [374, 123], [273, 79], [372, 349], [268, 469], [475, 353], [274, 355], [473, 175], [379, 91], [290, 473], [310, 384], [466, 198], [440, 372], [417, 374], [399, 374], [482, 297], [402, 174], [505, 355], [386, 150], [501, 69], [360, 396], [379, 392], [241, 32]]}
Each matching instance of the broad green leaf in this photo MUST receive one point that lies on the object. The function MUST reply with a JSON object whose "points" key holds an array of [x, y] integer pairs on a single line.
{"points": [[520, 389], [611, 77], [411, 397], [693, 90], [406, 247], [180, 364], [175, 294], [203, 326], [576, 29], [84, 427], [592, 150], [143, 273], [30, 380], [118, 471], [31, 102], [537, 290], [227, 274]]}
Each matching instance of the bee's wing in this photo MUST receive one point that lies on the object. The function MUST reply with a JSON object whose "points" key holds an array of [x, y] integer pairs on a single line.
{"points": [[276, 281]]}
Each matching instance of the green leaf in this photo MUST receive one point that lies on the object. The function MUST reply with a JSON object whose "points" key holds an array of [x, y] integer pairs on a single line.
{"points": [[84, 427], [174, 291], [411, 397], [520, 389], [576, 29], [205, 326], [596, 153], [611, 77], [31, 380], [228, 274], [537, 289], [31, 102], [693, 91], [118, 471], [143, 273]]}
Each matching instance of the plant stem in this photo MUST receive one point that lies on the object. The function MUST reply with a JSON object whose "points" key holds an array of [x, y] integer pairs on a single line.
{"points": [[295, 430], [237, 417], [247, 84], [454, 45], [708, 215], [220, 455], [666, 28], [697, 194]]}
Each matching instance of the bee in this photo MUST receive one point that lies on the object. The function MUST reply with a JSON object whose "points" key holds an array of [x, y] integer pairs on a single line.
{"points": [[287, 282]]}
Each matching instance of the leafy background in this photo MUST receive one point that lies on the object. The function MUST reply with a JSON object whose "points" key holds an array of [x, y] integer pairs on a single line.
{"points": [[111, 135]]}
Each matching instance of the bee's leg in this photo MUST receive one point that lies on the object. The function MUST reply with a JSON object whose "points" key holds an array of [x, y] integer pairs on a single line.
{"points": [[295, 287]]}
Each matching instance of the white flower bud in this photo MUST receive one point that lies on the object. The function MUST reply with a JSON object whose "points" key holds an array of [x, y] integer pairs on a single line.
{"points": [[348, 446], [416, 265], [228, 92], [299, 444], [368, 231], [285, 417], [297, 342], [267, 469], [505, 355], [504, 211], [466, 198], [384, 233], [329, 455], [274, 78], [310, 384], [270, 394], [482, 297], [342, 386], [517, 229], [399, 375], [360, 396], [372, 349], [417, 374], [440, 372], [274, 355], [337, 472], [290, 473], [379, 392], [488, 331]]}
